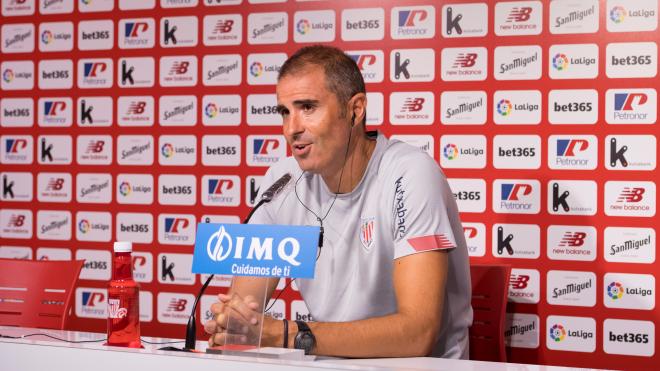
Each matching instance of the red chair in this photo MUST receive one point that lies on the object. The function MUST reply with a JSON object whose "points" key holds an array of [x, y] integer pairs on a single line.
{"points": [[490, 284], [37, 293]]}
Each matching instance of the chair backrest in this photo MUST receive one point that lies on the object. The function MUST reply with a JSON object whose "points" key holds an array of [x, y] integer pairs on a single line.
{"points": [[37, 293], [490, 284]]}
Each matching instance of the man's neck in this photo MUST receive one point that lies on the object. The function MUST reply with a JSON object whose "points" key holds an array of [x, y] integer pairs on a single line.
{"points": [[354, 167]]}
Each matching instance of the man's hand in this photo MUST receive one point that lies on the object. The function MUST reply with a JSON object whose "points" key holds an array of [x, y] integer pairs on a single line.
{"points": [[236, 321]]}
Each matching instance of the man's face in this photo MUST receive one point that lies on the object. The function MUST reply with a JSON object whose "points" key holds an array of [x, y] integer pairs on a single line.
{"points": [[313, 121]]}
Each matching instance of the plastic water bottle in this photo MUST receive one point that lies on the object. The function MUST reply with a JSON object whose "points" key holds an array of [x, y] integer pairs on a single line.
{"points": [[123, 300]]}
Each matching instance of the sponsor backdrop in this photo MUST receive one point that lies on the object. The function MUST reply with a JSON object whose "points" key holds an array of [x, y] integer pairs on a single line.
{"points": [[134, 120]]}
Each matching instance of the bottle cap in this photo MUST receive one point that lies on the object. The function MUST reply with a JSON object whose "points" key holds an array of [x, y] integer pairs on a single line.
{"points": [[123, 246]]}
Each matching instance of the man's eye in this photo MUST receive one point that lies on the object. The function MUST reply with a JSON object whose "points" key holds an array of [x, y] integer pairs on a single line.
{"points": [[307, 107]]}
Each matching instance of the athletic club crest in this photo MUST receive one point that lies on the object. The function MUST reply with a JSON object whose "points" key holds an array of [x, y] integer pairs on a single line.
{"points": [[367, 232]]}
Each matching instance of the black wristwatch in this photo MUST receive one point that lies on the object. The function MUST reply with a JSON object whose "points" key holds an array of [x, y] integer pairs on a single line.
{"points": [[304, 340]]}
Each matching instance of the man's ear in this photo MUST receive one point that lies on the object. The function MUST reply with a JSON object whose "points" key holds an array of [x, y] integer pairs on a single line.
{"points": [[358, 107]]}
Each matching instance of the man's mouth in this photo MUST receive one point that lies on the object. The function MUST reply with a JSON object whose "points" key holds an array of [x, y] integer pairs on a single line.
{"points": [[300, 148]]}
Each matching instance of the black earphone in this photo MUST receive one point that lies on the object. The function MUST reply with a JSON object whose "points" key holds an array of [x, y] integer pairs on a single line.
{"points": [[353, 120]]}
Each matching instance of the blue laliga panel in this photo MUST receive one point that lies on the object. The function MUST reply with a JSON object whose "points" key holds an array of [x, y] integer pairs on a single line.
{"points": [[256, 250]]}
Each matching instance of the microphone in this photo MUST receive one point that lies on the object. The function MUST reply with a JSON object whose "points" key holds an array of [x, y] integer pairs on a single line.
{"points": [[191, 327]]}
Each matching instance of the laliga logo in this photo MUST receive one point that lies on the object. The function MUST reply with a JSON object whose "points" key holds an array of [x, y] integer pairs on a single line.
{"points": [[615, 290], [46, 37], [617, 14], [220, 246], [211, 110], [8, 75], [125, 188], [167, 150], [303, 26], [504, 107], [557, 333], [256, 69], [450, 151], [114, 311], [84, 226], [560, 62]]}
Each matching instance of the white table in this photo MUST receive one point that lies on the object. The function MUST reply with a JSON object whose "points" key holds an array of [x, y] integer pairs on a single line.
{"points": [[43, 353]]}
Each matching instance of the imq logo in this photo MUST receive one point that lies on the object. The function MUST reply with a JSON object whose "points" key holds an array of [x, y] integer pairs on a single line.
{"points": [[630, 152], [574, 16], [566, 242], [414, 22], [225, 29], [138, 33], [410, 65], [371, 64], [362, 24], [178, 32], [631, 106], [572, 197], [265, 150], [576, 334], [221, 190], [629, 198], [516, 196], [518, 18], [518, 241], [518, 62], [572, 152], [136, 72], [629, 245], [464, 20], [464, 64]]}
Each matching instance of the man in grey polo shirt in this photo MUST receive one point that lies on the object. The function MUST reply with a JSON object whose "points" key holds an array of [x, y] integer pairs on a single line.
{"points": [[392, 276]]}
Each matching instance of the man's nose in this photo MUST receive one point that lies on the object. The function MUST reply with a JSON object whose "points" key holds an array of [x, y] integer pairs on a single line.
{"points": [[293, 125]]}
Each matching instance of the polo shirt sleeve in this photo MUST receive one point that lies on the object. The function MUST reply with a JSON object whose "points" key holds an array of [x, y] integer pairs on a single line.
{"points": [[422, 205]]}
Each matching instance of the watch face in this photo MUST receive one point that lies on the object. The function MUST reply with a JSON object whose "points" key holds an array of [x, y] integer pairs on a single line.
{"points": [[305, 341]]}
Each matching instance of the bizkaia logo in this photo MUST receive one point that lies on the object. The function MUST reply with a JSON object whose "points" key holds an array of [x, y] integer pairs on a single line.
{"points": [[54, 225], [265, 150], [464, 64], [224, 29], [412, 108], [573, 16], [175, 269], [55, 112], [17, 75], [517, 241], [630, 152], [54, 187], [91, 302], [177, 189], [17, 7], [221, 190], [572, 197], [262, 69], [463, 107], [362, 24], [174, 307], [631, 60], [522, 330], [573, 106], [178, 71], [93, 226], [221, 110], [56, 36], [143, 267], [517, 107], [370, 62], [135, 150], [137, 189], [470, 194], [177, 110], [575, 334], [629, 245], [176, 229], [134, 227], [17, 112], [96, 35], [573, 61], [516, 196], [177, 150], [524, 286], [54, 150], [518, 18], [517, 152], [94, 111], [17, 38], [571, 288], [262, 110], [628, 198], [475, 238], [178, 32], [16, 149], [629, 291], [16, 187], [56, 6], [136, 72], [137, 33], [464, 20], [94, 149], [15, 223], [252, 185], [268, 28], [628, 337], [314, 26], [412, 22], [463, 151], [221, 150], [518, 62], [627, 16], [412, 65], [572, 152], [221, 70], [631, 106], [93, 188], [571, 242], [95, 73], [136, 111]]}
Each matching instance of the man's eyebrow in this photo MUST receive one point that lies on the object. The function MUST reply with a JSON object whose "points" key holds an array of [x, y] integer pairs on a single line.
{"points": [[302, 102]]}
